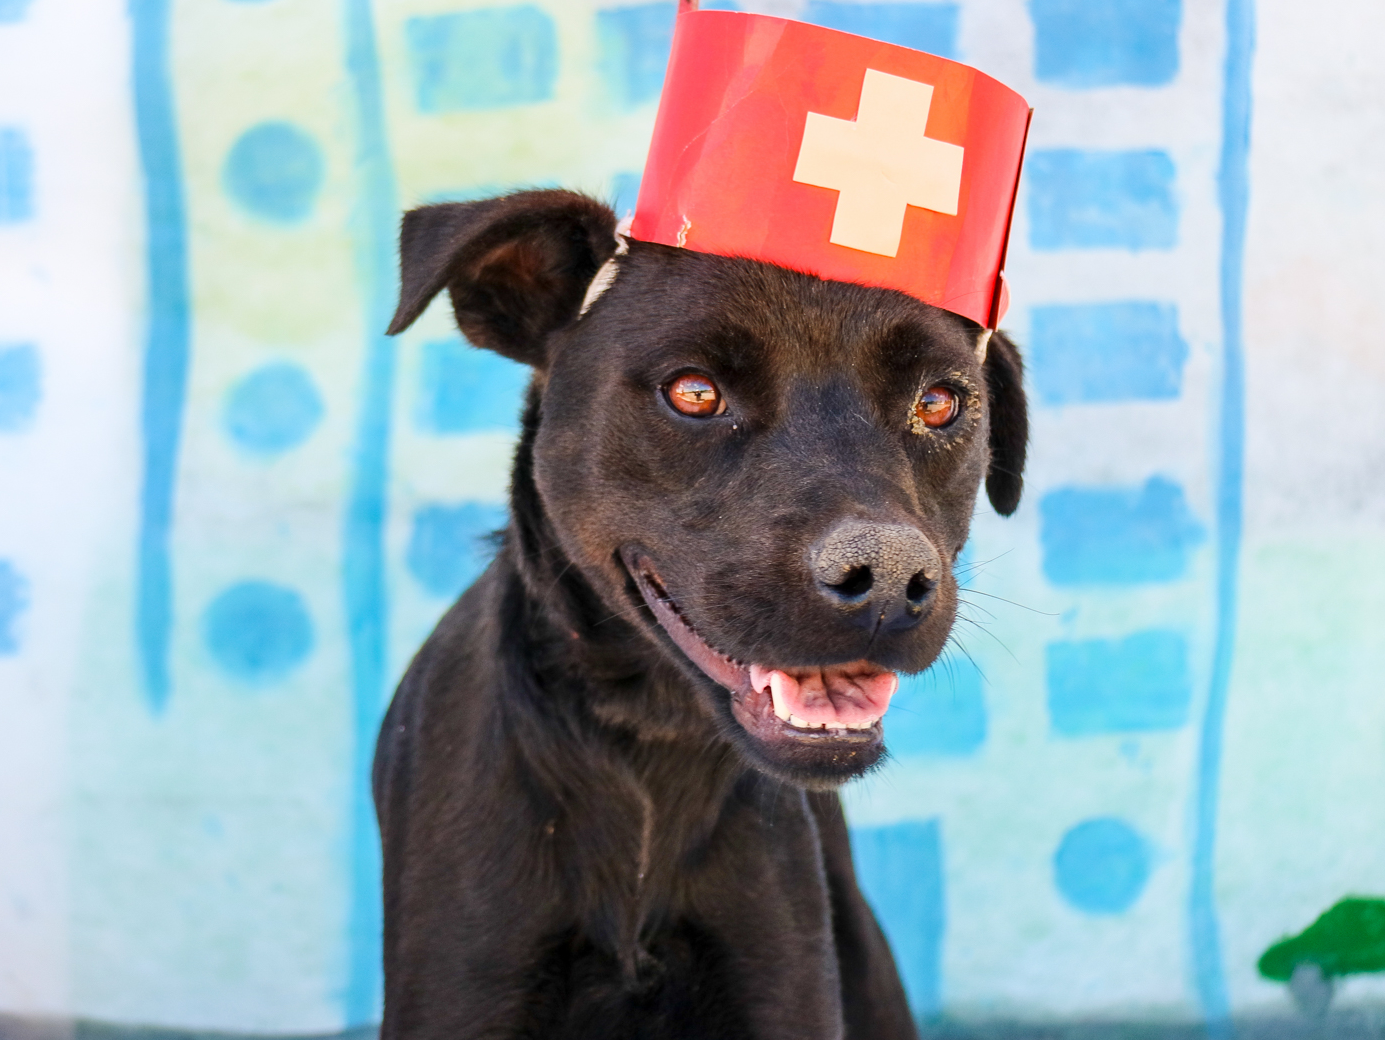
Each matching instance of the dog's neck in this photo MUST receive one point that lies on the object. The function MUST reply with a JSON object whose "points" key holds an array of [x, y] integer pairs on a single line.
{"points": [[593, 663], [631, 777], [627, 683]]}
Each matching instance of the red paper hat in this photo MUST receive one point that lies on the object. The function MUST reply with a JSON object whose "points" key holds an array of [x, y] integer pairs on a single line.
{"points": [[837, 155]]}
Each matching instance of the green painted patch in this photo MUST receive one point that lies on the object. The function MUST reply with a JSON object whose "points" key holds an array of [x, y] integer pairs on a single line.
{"points": [[1349, 939]]}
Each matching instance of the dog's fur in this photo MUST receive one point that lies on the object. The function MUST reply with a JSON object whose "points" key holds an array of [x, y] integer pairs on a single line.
{"points": [[582, 838]]}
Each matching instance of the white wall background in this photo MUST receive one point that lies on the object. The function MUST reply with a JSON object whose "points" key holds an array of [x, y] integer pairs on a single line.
{"points": [[196, 854]]}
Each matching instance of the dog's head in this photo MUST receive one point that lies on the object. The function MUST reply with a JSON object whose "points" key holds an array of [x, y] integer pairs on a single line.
{"points": [[771, 474]]}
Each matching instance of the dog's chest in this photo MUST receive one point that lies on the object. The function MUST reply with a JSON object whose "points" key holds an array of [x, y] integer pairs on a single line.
{"points": [[730, 902]]}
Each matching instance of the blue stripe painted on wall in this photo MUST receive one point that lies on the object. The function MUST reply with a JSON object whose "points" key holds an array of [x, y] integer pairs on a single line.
{"points": [[167, 337], [900, 871], [1091, 353], [1233, 191], [375, 218], [1132, 685]]}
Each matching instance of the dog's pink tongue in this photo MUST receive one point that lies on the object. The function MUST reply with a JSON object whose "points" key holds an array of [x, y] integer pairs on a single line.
{"points": [[843, 695]]}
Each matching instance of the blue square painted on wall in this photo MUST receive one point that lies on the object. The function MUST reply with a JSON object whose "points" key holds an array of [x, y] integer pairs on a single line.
{"points": [[20, 385], [490, 58], [930, 27], [1086, 353], [450, 544], [1101, 200], [16, 176], [464, 389], [634, 44], [900, 870], [1136, 684], [1082, 44], [1117, 535], [14, 598], [939, 712], [625, 192]]}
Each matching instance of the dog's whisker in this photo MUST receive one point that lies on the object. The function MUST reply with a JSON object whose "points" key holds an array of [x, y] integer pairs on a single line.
{"points": [[1013, 603], [624, 612], [976, 565], [975, 606], [999, 642]]}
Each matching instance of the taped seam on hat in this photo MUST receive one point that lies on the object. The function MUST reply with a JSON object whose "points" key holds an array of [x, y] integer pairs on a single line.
{"points": [[606, 273]]}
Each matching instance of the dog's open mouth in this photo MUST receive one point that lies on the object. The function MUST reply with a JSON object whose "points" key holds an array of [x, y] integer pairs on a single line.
{"points": [[835, 703]]}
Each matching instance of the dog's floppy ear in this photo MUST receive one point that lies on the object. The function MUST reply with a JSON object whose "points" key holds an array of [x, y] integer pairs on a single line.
{"points": [[1009, 424], [516, 267]]}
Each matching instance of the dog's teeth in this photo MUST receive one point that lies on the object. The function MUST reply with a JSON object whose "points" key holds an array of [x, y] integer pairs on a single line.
{"points": [[838, 727], [781, 709], [797, 723]]}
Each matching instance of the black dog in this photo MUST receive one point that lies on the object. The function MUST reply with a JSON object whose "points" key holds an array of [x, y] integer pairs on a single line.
{"points": [[606, 785]]}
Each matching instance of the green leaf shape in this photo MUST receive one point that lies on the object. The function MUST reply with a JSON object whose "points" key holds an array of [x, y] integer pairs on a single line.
{"points": [[1348, 939]]}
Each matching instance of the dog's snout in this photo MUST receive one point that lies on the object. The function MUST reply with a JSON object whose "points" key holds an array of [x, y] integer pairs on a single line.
{"points": [[883, 574]]}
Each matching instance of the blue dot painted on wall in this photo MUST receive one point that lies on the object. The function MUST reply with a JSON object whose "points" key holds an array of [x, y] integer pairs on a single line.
{"points": [[273, 409], [16, 176], [14, 600], [449, 547], [20, 386], [258, 632], [1102, 865], [274, 170]]}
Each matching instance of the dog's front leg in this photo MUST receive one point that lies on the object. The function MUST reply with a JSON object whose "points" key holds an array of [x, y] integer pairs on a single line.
{"points": [[873, 999], [464, 953], [767, 900]]}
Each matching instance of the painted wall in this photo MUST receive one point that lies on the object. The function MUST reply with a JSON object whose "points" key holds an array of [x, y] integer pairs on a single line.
{"points": [[232, 509]]}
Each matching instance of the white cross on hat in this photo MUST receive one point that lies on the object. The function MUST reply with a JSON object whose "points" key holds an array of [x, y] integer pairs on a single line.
{"points": [[880, 162]]}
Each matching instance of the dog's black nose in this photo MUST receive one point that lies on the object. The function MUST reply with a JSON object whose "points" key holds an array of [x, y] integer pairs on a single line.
{"points": [[883, 574]]}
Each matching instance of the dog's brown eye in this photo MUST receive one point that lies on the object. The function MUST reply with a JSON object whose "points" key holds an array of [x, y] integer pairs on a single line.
{"points": [[694, 394], [937, 406]]}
